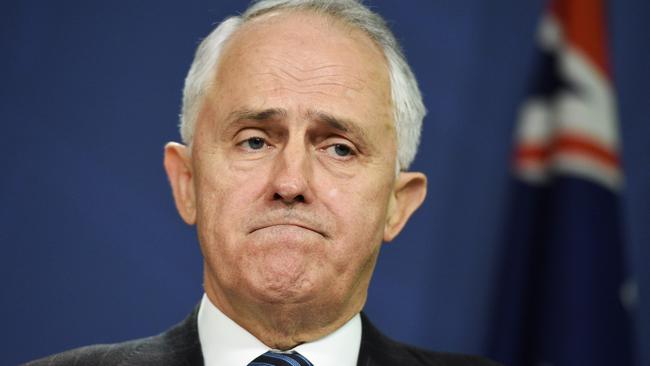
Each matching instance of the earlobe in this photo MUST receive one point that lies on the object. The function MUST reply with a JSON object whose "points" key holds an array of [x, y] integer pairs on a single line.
{"points": [[179, 172], [409, 193]]}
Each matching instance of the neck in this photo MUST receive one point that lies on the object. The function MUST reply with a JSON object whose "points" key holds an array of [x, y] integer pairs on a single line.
{"points": [[283, 326]]}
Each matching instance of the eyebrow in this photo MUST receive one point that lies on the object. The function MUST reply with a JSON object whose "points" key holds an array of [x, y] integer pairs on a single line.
{"points": [[343, 125], [256, 115], [337, 123], [330, 120]]}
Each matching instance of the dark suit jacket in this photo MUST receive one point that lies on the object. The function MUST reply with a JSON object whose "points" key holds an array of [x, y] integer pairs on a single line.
{"points": [[180, 346]]}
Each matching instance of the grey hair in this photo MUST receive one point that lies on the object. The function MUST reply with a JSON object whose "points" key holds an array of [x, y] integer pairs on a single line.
{"points": [[408, 108]]}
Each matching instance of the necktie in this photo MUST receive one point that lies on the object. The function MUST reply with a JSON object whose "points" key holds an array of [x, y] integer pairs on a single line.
{"points": [[271, 358]]}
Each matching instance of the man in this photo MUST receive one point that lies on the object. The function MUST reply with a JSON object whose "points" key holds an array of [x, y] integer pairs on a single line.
{"points": [[299, 121]]}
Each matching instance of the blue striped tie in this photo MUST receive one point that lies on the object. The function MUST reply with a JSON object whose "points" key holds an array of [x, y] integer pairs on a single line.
{"points": [[280, 359]]}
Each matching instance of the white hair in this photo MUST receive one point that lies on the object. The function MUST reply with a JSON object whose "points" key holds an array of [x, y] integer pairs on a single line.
{"points": [[408, 109]]}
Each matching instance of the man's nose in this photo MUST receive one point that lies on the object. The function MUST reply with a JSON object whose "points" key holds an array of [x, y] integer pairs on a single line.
{"points": [[291, 181]]}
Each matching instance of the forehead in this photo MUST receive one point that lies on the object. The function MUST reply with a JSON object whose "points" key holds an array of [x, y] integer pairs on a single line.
{"points": [[304, 61]]}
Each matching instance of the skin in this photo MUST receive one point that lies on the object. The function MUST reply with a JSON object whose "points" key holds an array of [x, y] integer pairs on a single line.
{"points": [[290, 178]]}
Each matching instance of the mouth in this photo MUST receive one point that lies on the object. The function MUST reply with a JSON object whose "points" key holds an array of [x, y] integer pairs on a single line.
{"points": [[294, 225]]}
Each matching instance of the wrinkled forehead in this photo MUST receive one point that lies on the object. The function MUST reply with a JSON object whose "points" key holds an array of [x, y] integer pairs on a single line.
{"points": [[302, 20], [307, 50], [312, 38]]}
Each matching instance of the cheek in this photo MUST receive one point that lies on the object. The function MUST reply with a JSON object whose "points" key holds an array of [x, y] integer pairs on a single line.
{"points": [[360, 211], [226, 199], [332, 193], [230, 183]]}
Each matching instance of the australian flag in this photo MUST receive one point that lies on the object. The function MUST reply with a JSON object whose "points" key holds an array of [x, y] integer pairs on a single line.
{"points": [[564, 299]]}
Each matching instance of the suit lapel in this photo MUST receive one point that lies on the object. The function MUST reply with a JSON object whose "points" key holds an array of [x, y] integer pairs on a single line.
{"points": [[374, 345]]}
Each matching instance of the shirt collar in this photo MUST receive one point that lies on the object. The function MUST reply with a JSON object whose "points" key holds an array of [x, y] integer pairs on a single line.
{"points": [[224, 342]]}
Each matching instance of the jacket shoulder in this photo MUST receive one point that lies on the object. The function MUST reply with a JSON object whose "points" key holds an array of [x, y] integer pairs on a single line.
{"points": [[179, 345], [99, 354], [377, 349], [425, 357]]}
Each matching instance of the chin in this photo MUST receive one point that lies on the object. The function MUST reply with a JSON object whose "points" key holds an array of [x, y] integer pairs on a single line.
{"points": [[284, 286]]}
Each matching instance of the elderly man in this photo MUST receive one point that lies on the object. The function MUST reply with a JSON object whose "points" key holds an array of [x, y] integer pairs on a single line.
{"points": [[299, 120]]}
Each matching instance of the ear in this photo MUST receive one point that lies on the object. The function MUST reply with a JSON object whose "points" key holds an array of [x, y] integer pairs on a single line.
{"points": [[179, 171], [408, 194]]}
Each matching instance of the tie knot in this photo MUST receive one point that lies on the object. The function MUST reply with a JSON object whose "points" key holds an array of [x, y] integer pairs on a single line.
{"points": [[271, 358]]}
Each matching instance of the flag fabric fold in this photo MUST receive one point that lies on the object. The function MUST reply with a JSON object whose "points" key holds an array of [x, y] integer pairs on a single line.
{"points": [[560, 298]]}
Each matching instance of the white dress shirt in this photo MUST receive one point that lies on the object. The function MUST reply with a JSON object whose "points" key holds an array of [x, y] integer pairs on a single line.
{"points": [[225, 343]]}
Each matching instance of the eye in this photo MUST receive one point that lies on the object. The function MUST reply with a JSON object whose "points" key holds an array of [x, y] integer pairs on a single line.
{"points": [[253, 143], [340, 151]]}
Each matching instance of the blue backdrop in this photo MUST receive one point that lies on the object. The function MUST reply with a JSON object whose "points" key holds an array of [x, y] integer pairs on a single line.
{"points": [[93, 250]]}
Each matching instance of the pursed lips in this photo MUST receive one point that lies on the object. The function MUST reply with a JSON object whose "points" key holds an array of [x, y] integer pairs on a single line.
{"points": [[294, 224]]}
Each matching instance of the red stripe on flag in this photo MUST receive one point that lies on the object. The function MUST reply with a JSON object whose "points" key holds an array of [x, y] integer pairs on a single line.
{"points": [[565, 143], [583, 22]]}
